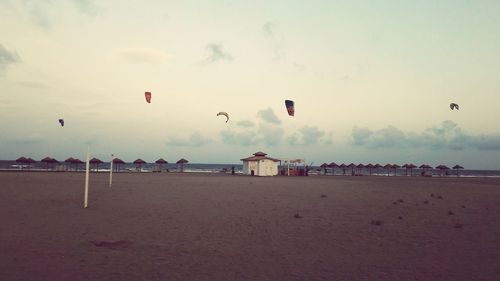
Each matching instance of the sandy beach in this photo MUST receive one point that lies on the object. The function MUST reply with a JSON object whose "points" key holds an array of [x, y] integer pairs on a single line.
{"points": [[194, 226]]}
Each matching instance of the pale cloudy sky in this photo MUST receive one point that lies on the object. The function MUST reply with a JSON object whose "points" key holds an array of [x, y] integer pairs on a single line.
{"points": [[372, 80]]}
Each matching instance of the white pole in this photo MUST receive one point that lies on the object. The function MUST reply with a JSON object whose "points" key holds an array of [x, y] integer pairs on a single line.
{"points": [[87, 166], [111, 171]]}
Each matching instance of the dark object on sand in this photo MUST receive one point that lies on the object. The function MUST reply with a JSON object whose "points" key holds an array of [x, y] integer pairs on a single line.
{"points": [[450, 213], [400, 217], [113, 245], [297, 216], [458, 225], [426, 202], [463, 207], [401, 201], [432, 194], [376, 222], [323, 195], [440, 197]]}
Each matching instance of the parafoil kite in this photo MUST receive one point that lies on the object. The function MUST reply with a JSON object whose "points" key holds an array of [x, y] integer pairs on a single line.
{"points": [[453, 106], [61, 121], [225, 114], [290, 107], [148, 97]]}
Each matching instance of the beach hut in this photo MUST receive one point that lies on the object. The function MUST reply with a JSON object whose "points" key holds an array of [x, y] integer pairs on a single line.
{"points": [[159, 162], [138, 164], [457, 167], [117, 162], [95, 163], [181, 163], [260, 165], [333, 165]]}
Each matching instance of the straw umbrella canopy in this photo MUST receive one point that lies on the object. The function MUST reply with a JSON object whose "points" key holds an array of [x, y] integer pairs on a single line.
{"points": [[181, 162], [21, 160], [95, 162], [118, 162], [48, 161], [424, 168], [377, 167], [343, 166], [411, 167], [395, 167], [352, 166], [360, 168], [77, 163], [370, 167], [442, 168], [333, 165], [406, 168], [388, 167], [30, 161], [457, 167], [70, 161], [324, 166], [138, 163], [160, 162]]}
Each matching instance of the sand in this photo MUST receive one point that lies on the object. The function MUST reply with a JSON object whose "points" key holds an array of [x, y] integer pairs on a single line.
{"points": [[180, 226]]}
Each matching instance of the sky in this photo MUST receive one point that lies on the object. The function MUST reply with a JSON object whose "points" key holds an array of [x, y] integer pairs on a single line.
{"points": [[372, 80]]}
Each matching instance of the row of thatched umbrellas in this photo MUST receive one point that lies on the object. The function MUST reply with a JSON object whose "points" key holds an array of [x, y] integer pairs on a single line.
{"points": [[95, 162], [442, 168]]}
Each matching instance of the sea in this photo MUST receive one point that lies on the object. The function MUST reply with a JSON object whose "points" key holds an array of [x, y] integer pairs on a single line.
{"points": [[11, 165]]}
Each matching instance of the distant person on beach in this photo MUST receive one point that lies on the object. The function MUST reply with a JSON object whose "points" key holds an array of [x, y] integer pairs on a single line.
{"points": [[232, 170]]}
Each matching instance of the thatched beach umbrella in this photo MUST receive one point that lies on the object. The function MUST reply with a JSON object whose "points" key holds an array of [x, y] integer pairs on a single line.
{"points": [[395, 167], [324, 166], [377, 167], [406, 168], [77, 163], [411, 167], [360, 168], [138, 164], [70, 161], [352, 166], [49, 161], [333, 165], [441, 169], [370, 167], [160, 162], [181, 164], [388, 167], [95, 162], [425, 168], [117, 162], [30, 161], [457, 167], [343, 166]]}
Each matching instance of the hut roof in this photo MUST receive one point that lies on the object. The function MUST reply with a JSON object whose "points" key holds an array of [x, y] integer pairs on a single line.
{"points": [[259, 156]]}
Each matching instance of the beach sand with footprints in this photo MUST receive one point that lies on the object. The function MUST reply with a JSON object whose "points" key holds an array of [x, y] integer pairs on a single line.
{"points": [[194, 226]]}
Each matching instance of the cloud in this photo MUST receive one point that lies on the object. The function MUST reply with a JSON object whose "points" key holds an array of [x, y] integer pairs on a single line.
{"points": [[7, 57], [195, 140], [245, 123], [141, 55], [87, 7], [268, 115], [307, 135], [266, 134], [216, 53], [275, 40], [33, 84], [447, 135]]}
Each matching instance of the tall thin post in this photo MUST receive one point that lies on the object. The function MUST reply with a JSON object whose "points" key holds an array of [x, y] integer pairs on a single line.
{"points": [[87, 168], [111, 171]]}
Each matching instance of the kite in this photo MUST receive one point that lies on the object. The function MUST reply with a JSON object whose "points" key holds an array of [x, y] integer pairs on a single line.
{"points": [[453, 106], [61, 121], [225, 114], [148, 97], [290, 107]]}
